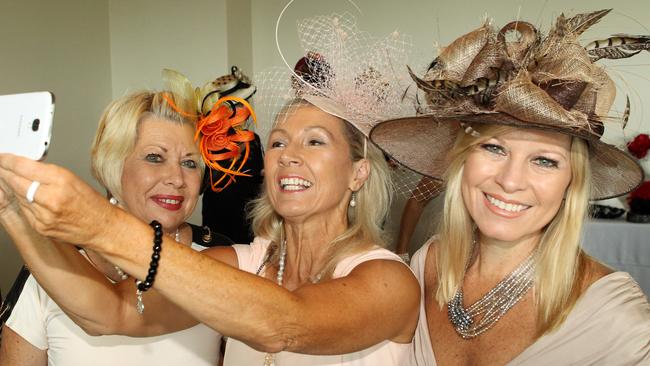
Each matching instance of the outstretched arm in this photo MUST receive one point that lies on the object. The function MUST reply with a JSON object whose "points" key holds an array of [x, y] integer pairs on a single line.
{"points": [[337, 316], [83, 292]]}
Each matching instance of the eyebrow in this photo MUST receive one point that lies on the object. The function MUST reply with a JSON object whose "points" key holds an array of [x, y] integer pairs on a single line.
{"points": [[165, 150], [307, 129]]}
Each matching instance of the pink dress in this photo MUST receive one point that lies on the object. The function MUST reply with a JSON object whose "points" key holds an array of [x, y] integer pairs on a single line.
{"points": [[385, 353], [609, 325]]}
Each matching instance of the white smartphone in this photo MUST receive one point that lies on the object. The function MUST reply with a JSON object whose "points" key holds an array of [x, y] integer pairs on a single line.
{"points": [[26, 123]]}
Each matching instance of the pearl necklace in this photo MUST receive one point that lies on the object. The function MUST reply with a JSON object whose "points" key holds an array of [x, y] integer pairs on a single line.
{"points": [[269, 358], [494, 304]]}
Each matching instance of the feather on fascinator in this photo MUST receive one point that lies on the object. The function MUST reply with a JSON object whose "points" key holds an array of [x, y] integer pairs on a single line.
{"points": [[222, 111], [547, 82]]}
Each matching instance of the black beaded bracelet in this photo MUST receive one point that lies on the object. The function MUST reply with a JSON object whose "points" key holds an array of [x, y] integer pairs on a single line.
{"points": [[145, 285]]}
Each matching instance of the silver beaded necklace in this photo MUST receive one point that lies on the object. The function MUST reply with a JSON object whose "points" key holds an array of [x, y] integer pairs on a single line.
{"points": [[493, 305]]}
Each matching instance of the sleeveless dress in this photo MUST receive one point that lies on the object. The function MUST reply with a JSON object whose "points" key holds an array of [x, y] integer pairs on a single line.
{"points": [[386, 353]]}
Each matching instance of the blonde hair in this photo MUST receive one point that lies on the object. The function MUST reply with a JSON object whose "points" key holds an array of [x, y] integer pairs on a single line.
{"points": [[560, 260], [365, 220], [117, 132]]}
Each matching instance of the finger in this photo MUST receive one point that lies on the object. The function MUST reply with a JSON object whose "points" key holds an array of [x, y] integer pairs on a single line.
{"points": [[27, 168], [18, 184]]}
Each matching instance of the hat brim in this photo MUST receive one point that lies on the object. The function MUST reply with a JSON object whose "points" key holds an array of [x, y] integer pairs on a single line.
{"points": [[423, 142]]}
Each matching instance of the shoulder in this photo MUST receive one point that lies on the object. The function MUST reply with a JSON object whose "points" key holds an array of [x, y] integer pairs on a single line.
{"points": [[616, 301], [594, 271], [424, 263], [383, 268]]}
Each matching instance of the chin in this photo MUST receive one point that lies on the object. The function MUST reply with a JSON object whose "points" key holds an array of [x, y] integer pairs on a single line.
{"points": [[505, 233]]}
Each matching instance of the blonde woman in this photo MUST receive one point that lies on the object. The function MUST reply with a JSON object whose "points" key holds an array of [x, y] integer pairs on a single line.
{"points": [[515, 130]]}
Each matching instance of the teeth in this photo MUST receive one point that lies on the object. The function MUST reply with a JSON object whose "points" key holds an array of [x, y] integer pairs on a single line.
{"points": [[170, 201], [510, 207], [294, 184]]}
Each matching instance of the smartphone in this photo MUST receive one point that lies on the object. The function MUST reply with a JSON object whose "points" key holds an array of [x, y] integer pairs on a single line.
{"points": [[26, 123]]}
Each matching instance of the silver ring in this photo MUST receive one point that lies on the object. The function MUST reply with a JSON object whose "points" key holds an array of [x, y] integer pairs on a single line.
{"points": [[31, 191]]}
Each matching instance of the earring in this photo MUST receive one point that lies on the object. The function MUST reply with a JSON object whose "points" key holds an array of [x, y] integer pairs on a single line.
{"points": [[353, 200], [113, 201]]}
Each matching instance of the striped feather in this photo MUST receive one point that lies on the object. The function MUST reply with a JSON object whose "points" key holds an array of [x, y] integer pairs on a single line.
{"points": [[618, 46]]}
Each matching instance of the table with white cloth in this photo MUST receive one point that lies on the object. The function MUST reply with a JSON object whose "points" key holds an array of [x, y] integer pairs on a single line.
{"points": [[622, 245]]}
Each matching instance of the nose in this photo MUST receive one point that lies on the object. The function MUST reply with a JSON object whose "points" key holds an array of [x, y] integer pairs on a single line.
{"points": [[174, 175], [512, 176], [290, 156]]}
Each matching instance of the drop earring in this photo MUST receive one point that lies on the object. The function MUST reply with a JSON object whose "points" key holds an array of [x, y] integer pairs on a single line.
{"points": [[353, 199]]}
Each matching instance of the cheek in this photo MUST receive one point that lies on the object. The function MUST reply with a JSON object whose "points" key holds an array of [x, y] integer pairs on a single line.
{"points": [[193, 178]]}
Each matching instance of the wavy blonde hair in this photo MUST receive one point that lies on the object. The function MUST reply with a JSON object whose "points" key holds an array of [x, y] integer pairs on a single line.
{"points": [[117, 133], [365, 220], [560, 260]]}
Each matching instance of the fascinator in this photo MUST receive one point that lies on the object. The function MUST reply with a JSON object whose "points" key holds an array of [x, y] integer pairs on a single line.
{"points": [[533, 80], [222, 110], [345, 72]]}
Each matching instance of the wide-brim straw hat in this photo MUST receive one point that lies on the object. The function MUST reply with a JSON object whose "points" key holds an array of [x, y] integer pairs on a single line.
{"points": [[541, 82]]}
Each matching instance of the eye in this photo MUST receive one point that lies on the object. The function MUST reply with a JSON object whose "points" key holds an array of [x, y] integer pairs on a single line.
{"points": [[276, 144], [315, 142], [191, 164], [154, 158], [493, 148], [546, 162]]}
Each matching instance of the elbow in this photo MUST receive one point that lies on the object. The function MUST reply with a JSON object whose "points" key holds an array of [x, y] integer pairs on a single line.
{"points": [[274, 336]]}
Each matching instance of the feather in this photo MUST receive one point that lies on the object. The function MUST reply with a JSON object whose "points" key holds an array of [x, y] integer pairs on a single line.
{"points": [[618, 46], [626, 113], [434, 85], [177, 83], [579, 23]]}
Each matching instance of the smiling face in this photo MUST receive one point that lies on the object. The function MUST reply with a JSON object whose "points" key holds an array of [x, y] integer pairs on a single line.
{"points": [[513, 184], [307, 166], [161, 178]]}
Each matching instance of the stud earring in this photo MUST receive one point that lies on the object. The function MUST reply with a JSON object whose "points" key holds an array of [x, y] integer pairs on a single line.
{"points": [[113, 201], [353, 199]]}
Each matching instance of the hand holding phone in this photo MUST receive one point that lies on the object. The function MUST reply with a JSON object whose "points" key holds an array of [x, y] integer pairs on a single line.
{"points": [[26, 124]]}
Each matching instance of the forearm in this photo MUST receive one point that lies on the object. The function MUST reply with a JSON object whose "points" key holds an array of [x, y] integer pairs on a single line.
{"points": [[67, 277], [233, 302], [410, 217]]}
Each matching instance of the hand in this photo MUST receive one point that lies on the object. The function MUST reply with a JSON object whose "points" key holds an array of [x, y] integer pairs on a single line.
{"points": [[8, 201], [65, 208]]}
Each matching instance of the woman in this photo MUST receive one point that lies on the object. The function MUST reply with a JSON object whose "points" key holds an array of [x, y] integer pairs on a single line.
{"points": [[145, 157], [505, 281], [308, 290]]}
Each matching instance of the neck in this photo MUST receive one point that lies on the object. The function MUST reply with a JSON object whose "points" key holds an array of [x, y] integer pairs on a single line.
{"points": [[497, 258], [308, 248]]}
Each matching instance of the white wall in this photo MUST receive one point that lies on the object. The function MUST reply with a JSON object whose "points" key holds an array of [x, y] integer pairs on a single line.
{"points": [[61, 46], [149, 35]]}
